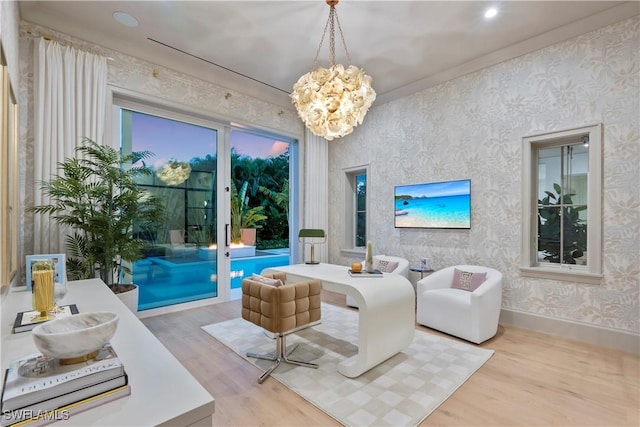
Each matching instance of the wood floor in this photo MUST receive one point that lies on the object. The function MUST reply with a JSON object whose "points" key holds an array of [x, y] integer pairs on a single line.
{"points": [[533, 379]]}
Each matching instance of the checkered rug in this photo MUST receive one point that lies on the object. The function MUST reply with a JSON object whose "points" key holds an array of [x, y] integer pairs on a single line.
{"points": [[402, 391]]}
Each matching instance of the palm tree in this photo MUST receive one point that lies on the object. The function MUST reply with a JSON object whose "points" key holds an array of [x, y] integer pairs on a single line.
{"points": [[280, 198], [97, 197]]}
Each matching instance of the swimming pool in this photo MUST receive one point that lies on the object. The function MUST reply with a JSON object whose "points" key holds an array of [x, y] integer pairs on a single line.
{"points": [[169, 280]]}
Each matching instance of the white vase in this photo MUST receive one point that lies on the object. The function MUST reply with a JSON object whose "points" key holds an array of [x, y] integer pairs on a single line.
{"points": [[368, 258]]}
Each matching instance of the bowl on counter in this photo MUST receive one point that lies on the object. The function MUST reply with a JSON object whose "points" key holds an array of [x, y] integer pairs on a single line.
{"points": [[75, 338]]}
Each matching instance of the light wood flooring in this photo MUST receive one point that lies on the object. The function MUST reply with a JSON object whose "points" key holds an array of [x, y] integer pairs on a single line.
{"points": [[533, 379]]}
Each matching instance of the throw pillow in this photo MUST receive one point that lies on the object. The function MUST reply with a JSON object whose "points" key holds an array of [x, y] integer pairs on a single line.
{"points": [[266, 280], [466, 280], [386, 266]]}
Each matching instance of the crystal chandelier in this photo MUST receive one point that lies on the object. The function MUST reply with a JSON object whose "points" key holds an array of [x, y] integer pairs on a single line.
{"points": [[332, 101]]}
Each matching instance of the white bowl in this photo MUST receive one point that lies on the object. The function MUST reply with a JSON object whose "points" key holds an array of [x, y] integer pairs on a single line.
{"points": [[76, 335]]}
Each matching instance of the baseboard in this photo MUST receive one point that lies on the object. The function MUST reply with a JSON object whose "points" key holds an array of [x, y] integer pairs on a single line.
{"points": [[593, 334]]}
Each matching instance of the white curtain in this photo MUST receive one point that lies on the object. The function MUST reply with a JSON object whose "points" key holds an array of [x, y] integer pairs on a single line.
{"points": [[316, 189], [70, 89]]}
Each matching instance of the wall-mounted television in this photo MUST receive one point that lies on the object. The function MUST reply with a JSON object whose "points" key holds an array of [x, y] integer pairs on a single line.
{"points": [[433, 205]]}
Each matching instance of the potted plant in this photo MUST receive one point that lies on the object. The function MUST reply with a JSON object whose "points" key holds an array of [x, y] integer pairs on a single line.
{"points": [[96, 196], [242, 216], [551, 217]]}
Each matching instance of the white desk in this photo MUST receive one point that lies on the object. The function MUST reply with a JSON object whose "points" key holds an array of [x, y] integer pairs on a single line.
{"points": [[163, 392], [387, 317]]}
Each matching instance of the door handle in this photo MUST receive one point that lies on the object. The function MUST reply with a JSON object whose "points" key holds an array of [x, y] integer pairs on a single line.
{"points": [[227, 237]]}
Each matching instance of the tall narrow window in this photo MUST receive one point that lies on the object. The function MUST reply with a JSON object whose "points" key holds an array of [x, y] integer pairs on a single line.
{"points": [[561, 199], [562, 204], [355, 208], [361, 210]]}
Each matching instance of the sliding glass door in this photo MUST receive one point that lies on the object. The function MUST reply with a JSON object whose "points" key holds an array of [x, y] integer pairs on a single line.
{"points": [[259, 227], [226, 192], [180, 262]]}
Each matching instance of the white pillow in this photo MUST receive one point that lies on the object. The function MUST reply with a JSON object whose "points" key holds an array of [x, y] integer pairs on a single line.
{"points": [[384, 265], [266, 280]]}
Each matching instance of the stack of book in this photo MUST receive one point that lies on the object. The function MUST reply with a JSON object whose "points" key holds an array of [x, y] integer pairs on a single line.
{"points": [[39, 390], [27, 320]]}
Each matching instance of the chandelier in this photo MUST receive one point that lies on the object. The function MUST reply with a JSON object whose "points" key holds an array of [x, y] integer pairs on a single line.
{"points": [[174, 173], [332, 101]]}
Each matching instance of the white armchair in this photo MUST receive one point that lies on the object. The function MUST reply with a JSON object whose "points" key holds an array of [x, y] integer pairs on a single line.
{"points": [[470, 315], [402, 269]]}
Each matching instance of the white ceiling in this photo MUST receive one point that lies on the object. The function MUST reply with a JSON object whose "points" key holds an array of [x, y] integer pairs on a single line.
{"points": [[262, 47]]}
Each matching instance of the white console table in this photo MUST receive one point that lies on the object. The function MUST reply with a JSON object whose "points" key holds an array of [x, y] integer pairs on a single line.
{"points": [[387, 319], [163, 392]]}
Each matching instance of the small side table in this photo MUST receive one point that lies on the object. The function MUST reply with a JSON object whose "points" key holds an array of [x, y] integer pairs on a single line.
{"points": [[421, 270]]}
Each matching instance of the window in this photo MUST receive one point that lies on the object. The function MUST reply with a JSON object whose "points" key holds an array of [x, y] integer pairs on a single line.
{"points": [[356, 207], [361, 210], [561, 190]]}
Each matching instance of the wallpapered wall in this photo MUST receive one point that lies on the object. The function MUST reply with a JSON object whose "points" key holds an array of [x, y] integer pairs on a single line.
{"points": [[9, 17], [472, 127], [136, 75]]}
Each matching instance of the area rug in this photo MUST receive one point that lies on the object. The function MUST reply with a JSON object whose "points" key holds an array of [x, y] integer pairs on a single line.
{"points": [[402, 391]]}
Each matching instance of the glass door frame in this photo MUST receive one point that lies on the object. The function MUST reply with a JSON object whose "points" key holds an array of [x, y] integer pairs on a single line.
{"points": [[293, 173], [124, 98], [223, 173]]}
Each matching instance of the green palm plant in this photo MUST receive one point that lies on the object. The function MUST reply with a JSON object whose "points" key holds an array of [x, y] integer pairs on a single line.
{"points": [[242, 216], [280, 198], [96, 196]]}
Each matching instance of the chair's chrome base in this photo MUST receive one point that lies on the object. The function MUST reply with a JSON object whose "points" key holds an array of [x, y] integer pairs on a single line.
{"points": [[281, 355]]}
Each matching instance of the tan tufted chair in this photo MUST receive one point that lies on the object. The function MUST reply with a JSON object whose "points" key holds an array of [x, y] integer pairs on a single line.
{"points": [[281, 310]]}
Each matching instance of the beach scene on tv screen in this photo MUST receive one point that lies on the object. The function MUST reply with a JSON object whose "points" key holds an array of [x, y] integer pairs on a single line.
{"points": [[434, 205]]}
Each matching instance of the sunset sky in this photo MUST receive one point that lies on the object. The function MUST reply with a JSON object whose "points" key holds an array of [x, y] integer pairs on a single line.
{"points": [[169, 139]]}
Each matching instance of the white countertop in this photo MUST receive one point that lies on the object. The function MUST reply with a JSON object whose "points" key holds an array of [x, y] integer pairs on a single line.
{"points": [[163, 392]]}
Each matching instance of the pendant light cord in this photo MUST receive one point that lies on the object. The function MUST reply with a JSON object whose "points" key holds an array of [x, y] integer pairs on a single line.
{"points": [[331, 21]]}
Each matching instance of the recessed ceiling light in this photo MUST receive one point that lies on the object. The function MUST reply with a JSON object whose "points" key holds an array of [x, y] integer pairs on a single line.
{"points": [[491, 12], [125, 19]]}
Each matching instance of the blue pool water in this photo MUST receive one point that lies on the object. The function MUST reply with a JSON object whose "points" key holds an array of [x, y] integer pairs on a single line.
{"points": [[166, 281]]}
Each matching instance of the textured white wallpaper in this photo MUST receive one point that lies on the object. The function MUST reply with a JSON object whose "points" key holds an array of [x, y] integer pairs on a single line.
{"points": [[472, 127], [9, 18]]}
